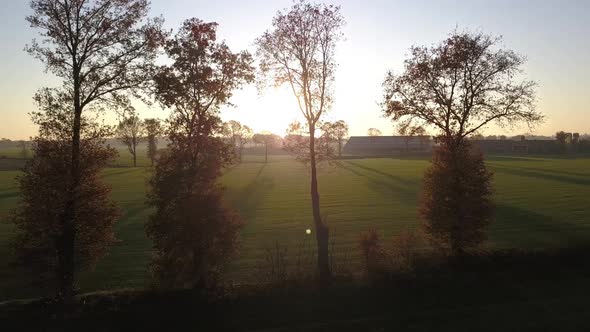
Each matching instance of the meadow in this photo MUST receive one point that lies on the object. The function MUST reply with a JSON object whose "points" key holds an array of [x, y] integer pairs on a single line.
{"points": [[541, 204]]}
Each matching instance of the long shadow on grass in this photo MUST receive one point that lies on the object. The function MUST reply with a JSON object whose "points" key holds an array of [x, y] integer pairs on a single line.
{"points": [[521, 228], [8, 194], [554, 171], [253, 194], [513, 158], [405, 182], [119, 171], [384, 183], [543, 176]]}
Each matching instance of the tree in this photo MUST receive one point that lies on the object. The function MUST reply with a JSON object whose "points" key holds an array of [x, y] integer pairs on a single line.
{"points": [[193, 231], [411, 132], [266, 138], [101, 49], [24, 151], [238, 135], [561, 138], [337, 131], [130, 132], [299, 51], [457, 198], [44, 191], [477, 137], [575, 141], [374, 132], [459, 87], [153, 128]]}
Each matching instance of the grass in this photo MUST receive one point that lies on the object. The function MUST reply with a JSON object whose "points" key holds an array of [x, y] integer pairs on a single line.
{"points": [[542, 203]]}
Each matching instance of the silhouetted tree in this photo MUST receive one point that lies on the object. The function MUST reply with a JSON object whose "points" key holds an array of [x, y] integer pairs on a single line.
{"points": [[44, 191], [267, 139], [153, 128], [193, 232], [374, 132], [24, 151], [411, 132], [561, 138], [101, 49], [460, 86], [575, 141], [130, 132], [337, 132], [299, 51], [238, 135], [457, 198]]}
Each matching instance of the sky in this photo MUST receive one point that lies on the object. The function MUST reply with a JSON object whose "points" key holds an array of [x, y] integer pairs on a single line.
{"points": [[553, 35]]}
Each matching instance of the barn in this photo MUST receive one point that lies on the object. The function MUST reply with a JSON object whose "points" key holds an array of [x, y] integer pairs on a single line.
{"points": [[387, 145]]}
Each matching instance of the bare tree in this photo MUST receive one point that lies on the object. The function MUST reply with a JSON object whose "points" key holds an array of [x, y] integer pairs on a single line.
{"points": [[130, 132], [336, 132], [267, 139], [374, 132], [101, 49], [238, 135], [299, 51], [561, 138], [460, 86], [24, 151], [153, 128]]}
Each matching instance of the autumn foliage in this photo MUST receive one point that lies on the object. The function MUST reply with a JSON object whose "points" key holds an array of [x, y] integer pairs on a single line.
{"points": [[194, 232], [45, 189], [457, 198]]}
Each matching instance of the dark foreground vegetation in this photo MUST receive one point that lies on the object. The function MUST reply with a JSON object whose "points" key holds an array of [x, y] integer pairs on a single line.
{"points": [[496, 291]]}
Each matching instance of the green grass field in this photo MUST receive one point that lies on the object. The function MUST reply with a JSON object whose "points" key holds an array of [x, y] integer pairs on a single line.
{"points": [[542, 203]]}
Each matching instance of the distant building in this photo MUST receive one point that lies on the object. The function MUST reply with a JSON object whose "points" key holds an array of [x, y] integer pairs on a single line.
{"points": [[387, 145], [517, 146]]}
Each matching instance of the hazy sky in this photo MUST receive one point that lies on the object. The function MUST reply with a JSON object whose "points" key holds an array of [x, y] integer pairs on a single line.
{"points": [[554, 35]]}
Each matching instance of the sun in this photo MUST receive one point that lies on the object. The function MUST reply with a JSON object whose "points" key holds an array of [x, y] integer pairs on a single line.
{"points": [[273, 110]]}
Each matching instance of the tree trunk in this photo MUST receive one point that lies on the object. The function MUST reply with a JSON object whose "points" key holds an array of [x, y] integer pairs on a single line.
{"points": [[322, 231], [266, 153], [66, 243], [339, 148], [134, 152]]}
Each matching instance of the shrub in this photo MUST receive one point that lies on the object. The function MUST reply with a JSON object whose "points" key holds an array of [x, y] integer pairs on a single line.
{"points": [[457, 198], [193, 230], [43, 194], [407, 247], [373, 255]]}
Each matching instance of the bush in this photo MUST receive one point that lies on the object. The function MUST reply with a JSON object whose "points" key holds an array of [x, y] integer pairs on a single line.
{"points": [[194, 232], [44, 191], [457, 199], [407, 248], [375, 258]]}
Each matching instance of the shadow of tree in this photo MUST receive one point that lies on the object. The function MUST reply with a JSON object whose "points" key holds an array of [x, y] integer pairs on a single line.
{"points": [[542, 175], [384, 183], [249, 198], [492, 157], [8, 194], [402, 181], [554, 171], [522, 228]]}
